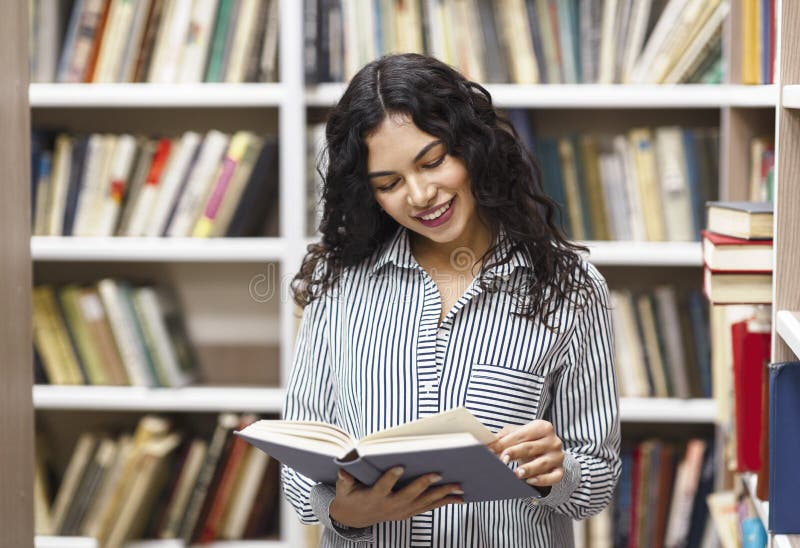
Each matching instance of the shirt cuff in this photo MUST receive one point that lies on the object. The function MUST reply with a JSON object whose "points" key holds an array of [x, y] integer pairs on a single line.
{"points": [[562, 491], [321, 497]]}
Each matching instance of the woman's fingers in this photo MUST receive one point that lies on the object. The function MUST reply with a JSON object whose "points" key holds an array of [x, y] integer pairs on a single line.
{"points": [[527, 451], [436, 493], [549, 478], [414, 489], [387, 481], [439, 503]]}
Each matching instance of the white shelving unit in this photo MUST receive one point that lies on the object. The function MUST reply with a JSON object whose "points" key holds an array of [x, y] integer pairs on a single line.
{"points": [[291, 99], [762, 509], [788, 327]]}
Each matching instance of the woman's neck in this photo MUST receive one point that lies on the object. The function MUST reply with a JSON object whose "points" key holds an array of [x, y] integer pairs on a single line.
{"points": [[457, 255]]}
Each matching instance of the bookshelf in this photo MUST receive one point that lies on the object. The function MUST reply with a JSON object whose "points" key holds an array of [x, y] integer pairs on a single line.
{"points": [[741, 110]]}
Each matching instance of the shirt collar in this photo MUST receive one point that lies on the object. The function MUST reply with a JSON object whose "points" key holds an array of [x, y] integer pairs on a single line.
{"points": [[398, 251]]}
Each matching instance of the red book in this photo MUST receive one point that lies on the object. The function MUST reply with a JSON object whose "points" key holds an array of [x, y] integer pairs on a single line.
{"points": [[751, 349], [222, 495], [726, 253], [636, 494]]}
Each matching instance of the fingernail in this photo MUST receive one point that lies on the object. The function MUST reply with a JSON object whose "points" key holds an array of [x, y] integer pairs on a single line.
{"points": [[521, 472], [341, 476], [397, 471], [457, 492], [506, 459], [436, 478], [532, 481]]}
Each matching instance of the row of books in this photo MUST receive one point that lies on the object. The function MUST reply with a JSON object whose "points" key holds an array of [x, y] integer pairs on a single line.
{"points": [[758, 43], [738, 253], [159, 41], [660, 499], [662, 344], [193, 185], [523, 41], [110, 333], [160, 482], [645, 185]]}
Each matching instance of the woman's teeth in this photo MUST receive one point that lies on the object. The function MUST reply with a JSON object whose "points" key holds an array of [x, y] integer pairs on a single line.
{"points": [[438, 213]]}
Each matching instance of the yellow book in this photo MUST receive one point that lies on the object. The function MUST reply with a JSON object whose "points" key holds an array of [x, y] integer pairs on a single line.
{"points": [[236, 150], [70, 301], [644, 160], [49, 324], [751, 55], [566, 154]]}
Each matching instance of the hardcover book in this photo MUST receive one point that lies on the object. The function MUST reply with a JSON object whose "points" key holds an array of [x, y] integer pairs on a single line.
{"points": [[452, 443]]}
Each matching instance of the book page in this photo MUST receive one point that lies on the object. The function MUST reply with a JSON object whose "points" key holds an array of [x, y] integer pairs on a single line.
{"points": [[383, 446], [301, 430], [458, 420]]}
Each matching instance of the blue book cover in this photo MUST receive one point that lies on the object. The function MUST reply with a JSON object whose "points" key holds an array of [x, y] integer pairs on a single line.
{"points": [[784, 447]]}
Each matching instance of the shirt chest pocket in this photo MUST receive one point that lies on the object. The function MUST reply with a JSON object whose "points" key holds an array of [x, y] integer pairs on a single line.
{"points": [[499, 396]]}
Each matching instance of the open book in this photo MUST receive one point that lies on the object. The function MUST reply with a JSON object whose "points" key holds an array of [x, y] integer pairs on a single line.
{"points": [[452, 443]]}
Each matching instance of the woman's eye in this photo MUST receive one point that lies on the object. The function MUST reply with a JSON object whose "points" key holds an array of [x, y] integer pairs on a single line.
{"points": [[390, 186], [435, 163]]}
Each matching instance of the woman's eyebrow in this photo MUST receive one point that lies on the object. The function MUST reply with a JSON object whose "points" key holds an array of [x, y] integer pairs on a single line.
{"points": [[419, 155]]}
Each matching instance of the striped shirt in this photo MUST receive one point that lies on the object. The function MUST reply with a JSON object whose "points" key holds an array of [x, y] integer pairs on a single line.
{"points": [[371, 354]]}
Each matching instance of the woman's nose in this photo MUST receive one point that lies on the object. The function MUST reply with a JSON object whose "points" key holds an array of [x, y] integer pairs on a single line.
{"points": [[420, 193]]}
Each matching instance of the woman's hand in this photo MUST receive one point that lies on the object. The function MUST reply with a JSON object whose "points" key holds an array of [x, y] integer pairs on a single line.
{"points": [[357, 505], [536, 447]]}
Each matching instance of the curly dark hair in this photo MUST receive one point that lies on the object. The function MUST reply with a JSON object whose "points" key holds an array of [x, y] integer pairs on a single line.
{"points": [[504, 176]]}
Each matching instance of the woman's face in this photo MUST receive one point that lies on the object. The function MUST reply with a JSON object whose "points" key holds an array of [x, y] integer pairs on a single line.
{"points": [[418, 184]]}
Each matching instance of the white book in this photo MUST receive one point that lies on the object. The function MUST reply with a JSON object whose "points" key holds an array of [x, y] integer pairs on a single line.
{"points": [[517, 39], [170, 185], [170, 41], [151, 318], [117, 184], [199, 184], [148, 195], [196, 46], [90, 186], [243, 37], [437, 45], [133, 42], [697, 48], [694, 14], [352, 61], [612, 178], [635, 219], [48, 39], [125, 334], [607, 43], [95, 214], [62, 165], [118, 21], [636, 34], [674, 182], [655, 42]]}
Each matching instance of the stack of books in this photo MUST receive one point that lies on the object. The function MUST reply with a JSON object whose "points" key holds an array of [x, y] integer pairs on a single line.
{"points": [[160, 482], [738, 253]]}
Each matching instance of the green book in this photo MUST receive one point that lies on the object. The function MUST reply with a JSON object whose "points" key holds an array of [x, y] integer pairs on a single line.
{"points": [[221, 29]]}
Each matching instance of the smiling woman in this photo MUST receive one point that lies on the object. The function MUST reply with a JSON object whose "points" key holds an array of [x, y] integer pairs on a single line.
{"points": [[442, 281]]}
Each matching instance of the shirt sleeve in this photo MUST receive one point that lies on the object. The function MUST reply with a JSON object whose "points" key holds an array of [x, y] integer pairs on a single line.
{"points": [[585, 412], [310, 396]]}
